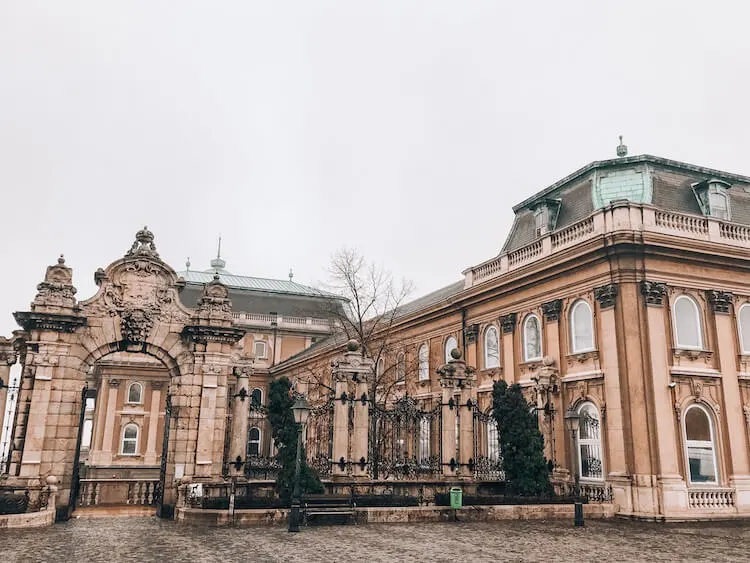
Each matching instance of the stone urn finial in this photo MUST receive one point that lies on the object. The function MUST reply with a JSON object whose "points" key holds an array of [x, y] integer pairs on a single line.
{"points": [[352, 345]]}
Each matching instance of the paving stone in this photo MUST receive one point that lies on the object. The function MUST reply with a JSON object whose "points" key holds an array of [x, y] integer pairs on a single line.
{"points": [[151, 539]]}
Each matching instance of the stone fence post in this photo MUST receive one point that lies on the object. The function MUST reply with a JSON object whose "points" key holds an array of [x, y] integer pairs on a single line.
{"points": [[458, 398], [240, 413]]}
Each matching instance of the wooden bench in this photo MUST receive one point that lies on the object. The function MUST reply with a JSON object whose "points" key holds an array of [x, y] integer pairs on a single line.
{"points": [[328, 505]]}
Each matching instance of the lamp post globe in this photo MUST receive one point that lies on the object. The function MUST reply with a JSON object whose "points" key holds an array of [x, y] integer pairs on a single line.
{"points": [[573, 423], [301, 411]]}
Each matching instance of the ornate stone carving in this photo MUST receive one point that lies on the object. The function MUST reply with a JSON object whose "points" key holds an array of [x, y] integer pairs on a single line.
{"points": [[606, 295], [471, 333], [582, 357], [114, 382], [721, 301], [552, 309], [57, 288], [48, 321], [143, 245], [456, 374], [653, 292], [508, 322], [215, 301], [746, 410], [136, 324], [199, 333]]}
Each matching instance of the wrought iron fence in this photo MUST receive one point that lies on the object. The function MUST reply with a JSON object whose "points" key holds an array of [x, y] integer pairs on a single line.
{"points": [[487, 463], [406, 441], [320, 438]]}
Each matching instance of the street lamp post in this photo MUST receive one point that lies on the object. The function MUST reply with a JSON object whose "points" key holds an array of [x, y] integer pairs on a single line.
{"points": [[301, 411], [572, 423]]}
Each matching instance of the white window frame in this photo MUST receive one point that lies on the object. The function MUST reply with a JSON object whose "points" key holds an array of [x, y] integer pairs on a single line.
{"points": [[493, 441], [524, 340], [448, 349], [264, 355], [596, 442], [87, 433], [250, 441], [424, 439], [712, 443], [424, 362], [400, 367], [698, 320], [140, 394], [134, 440], [487, 358], [744, 331], [573, 309]]}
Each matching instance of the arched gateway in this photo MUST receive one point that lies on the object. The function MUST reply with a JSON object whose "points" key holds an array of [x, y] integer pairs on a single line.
{"points": [[179, 401]]}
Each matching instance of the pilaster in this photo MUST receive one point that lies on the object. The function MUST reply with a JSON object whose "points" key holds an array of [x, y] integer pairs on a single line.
{"points": [[508, 327], [240, 414]]}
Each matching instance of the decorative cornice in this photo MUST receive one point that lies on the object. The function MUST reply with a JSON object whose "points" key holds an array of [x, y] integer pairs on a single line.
{"points": [[552, 309], [48, 321], [721, 301], [606, 295], [200, 333], [508, 322], [653, 292]]}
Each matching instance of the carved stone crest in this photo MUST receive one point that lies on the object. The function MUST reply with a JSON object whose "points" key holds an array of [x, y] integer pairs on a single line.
{"points": [[57, 288], [143, 245]]}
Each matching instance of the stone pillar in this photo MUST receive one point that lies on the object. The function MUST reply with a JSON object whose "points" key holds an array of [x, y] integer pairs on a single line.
{"points": [[7, 358], [508, 326], [351, 443], [672, 486], [240, 414], [615, 462], [549, 404], [726, 342], [206, 419], [153, 423], [459, 395], [112, 386]]}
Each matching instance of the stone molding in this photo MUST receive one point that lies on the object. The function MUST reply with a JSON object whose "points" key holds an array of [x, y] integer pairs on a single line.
{"points": [[721, 301], [204, 334], [471, 333], [508, 322], [49, 321]]}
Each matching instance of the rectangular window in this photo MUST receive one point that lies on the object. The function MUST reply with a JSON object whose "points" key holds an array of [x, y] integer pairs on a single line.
{"points": [[260, 349]]}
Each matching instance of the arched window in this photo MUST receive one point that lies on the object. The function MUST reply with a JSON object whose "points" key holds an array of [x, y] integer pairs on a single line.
{"points": [[581, 327], [424, 362], [424, 439], [491, 348], [253, 442], [493, 441], [590, 443], [130, 440], [450, 344], [135, 393], [401, 367], [380, 369], [256, 397], [532, 338], [744, 321], [687, 323], [699, 443]]}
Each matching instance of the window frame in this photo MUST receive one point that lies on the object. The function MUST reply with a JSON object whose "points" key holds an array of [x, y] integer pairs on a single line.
{"points": [[493, 440], [744, 333], [446, 351], [491, 328], [524, 340], [712, 432], [135, 440], [423, 363], [598, 442], [252, 397], [698, 319], [264, 356], [140, 394], [425, 436], [251, 441], [571, 323], [400, 367], [380, 368]]}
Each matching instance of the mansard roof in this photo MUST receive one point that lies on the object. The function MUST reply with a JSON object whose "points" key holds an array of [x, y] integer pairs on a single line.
{"points": [[266, 285], [661, 182]]}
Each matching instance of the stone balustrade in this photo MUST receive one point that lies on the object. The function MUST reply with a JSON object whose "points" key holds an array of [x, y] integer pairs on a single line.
{"points": [[710, 498], [94, 492], [616, 217], [282, 321]]}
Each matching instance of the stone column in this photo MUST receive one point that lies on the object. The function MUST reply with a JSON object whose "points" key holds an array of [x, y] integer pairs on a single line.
{"points": [[726, 342], [153, 423], [549, 404], [7, 358], [206, 420], [615, 462], [37, 422], [105, 456], [240, 414], [350, 376], [457, 382], [508, 325], [672, 485]]}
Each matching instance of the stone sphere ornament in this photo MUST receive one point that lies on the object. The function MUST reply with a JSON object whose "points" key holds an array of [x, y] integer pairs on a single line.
{"points": [[456, 354], [352, 345]]}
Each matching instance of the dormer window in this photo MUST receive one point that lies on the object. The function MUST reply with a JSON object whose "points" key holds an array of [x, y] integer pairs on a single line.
{"points": [[713, 198], [545, 216]]}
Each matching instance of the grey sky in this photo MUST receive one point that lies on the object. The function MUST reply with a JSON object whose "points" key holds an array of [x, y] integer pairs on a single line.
{"points": [[405, 129]]}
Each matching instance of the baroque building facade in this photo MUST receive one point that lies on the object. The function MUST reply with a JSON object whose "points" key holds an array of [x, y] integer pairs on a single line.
{"points": [[622, 292]]}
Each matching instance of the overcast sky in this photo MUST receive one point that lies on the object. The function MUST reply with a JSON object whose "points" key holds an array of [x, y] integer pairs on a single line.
{"points": [[404, 129]]}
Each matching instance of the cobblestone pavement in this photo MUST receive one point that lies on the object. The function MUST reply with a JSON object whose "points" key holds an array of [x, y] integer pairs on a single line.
{"points": [[150, 539]]}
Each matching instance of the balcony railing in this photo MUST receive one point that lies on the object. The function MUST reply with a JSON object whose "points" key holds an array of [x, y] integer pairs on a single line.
{"points": [[290, 322], [711, 498], [617, 217], [118, 491]]}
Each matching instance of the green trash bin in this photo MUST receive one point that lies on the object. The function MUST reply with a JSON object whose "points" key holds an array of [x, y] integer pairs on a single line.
{"points": [[456, 497]]}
